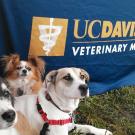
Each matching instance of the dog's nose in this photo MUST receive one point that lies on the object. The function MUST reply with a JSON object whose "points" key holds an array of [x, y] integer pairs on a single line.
{"points": [[83, 89], [9, 116], [24, 71]]}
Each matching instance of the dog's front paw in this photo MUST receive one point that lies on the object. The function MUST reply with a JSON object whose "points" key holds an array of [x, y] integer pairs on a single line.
{"points": [[90, 130], [108, 133], [101, 132], [104, 132]]}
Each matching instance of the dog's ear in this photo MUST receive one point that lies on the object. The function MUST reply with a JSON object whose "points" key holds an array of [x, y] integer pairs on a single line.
{"points": [[37, 62], [10, 61], [86, 75], [51, 77]]}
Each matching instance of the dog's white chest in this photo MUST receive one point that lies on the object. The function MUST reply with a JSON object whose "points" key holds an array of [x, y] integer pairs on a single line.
{"points": [[58, 130], [33, 115], [23, 84], [19, 83]]}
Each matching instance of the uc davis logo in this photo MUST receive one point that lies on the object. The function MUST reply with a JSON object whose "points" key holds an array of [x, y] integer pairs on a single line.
{"points": [[48, 36]]}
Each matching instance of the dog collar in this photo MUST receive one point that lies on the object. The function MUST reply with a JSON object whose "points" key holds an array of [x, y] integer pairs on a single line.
{"points": [[51, 122]]}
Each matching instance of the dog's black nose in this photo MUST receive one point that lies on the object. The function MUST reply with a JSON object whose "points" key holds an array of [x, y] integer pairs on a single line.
{"points": [[83, 89], [24, 71], [9, 116]]}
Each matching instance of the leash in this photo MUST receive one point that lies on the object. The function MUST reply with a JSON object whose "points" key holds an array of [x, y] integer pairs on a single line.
{"points": [[51, 122]]}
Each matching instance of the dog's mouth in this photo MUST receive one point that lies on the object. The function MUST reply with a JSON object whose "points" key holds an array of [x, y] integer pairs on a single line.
{"points": [[83, 94], [23, 75], [7, 125], [10, 124]]}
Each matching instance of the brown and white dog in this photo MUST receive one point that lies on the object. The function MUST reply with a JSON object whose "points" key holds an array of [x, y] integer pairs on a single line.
{"points": [[25, 77], [11, 122], [56, 102]]}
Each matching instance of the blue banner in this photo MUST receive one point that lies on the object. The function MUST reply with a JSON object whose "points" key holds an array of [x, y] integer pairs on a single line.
{"points": [[98, 36]]}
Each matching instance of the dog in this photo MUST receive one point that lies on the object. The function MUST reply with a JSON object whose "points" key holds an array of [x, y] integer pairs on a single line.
{"points": [[8, 115], [11, 121], [25, 77], [58, 98]]}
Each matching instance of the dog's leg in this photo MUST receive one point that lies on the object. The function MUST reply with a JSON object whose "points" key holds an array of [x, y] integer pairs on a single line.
{"points": [[88, 130]]}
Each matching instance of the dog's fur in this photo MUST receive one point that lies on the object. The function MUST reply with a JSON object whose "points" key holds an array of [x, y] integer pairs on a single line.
{"points": [[25, 77], [8, 115], [23, 127], [66, 87], [12, 122]]}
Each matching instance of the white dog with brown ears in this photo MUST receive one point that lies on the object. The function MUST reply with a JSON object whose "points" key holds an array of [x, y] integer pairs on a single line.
{"points": [[56, 102]]}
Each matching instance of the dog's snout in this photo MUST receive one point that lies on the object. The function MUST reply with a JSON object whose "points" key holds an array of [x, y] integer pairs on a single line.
{"points": [[83, 89], [9, 116], [24, 71]]}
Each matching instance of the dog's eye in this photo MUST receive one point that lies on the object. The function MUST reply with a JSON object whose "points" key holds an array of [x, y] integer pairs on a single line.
{"points": [[6, 94], [82, 77], [68, 77], [28, 68], [18, 68]]}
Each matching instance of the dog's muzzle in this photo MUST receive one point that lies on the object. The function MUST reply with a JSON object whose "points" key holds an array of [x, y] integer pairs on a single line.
{"points": [[83, 89], [24, 72]]}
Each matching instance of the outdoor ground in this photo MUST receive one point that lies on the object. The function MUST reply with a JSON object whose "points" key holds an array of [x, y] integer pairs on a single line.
{"points": [[114, 110]]}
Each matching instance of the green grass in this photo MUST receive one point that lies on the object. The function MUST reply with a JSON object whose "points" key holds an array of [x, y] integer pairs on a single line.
{"points": [[114, 110]]}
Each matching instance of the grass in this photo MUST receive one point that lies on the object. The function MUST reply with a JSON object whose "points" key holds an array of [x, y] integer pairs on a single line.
{"points": [[114, 110]]}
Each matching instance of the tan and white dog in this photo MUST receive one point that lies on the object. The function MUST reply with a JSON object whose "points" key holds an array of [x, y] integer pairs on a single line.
{"points": [[56, 101], [24, 77]]}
